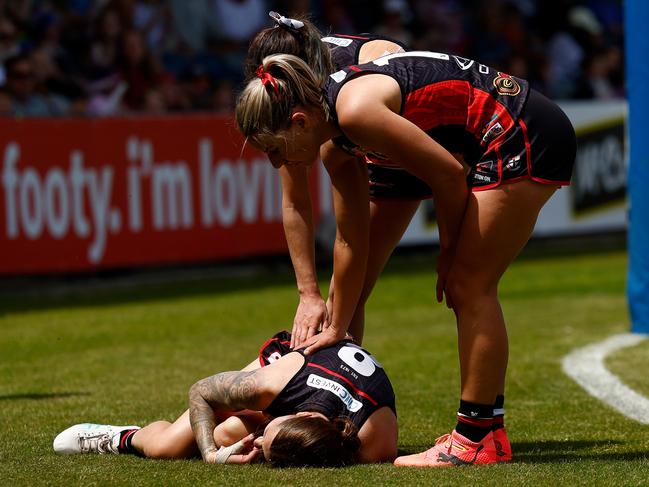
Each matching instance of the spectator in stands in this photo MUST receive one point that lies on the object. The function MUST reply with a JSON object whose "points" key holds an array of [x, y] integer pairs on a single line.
{"points": [[154, 103], [138, 69], [19, 11], [568, 51], [336, 15], [250, 15], [490, 43], [153, 19], [223, 98], [56, 70], [105, 96], [396, 16], [601, 75], [174, 94], [199, 90], [105, 46], [5, 104], [230, 43], [23, 89], [77, 48], [193, 22], [8, 44], [439, 26]]}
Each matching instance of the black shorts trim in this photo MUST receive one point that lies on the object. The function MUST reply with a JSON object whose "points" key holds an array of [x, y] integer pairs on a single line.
{"points": [[542, 146]]}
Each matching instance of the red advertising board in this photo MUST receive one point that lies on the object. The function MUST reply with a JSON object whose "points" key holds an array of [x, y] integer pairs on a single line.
{"points": [[79, 195]]}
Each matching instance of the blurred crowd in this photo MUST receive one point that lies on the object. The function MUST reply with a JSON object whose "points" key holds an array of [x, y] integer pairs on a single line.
{"points": [[118, 57]]}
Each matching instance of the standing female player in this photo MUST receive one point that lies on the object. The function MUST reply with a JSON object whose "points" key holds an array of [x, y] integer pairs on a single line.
{"points": [[335, 407], [414, 109], [394, 193]]}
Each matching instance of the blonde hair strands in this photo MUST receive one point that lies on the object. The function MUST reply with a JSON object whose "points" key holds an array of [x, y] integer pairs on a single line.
{"points": [[260, 111]]}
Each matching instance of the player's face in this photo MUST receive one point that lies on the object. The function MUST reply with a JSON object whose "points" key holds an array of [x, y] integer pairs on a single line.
{"points": [[298, 145], [270, 432], [264, 442]]}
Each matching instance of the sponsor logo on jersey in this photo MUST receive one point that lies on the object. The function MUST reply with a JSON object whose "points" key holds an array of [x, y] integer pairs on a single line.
{"points": [[463, 62], [506, 85], [338, 41], [319, 382], [338, 76]]}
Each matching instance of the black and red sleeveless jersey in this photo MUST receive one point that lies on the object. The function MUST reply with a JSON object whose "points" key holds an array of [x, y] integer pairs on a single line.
{"points": [[345, 49], [464, 105], [342, 380]]}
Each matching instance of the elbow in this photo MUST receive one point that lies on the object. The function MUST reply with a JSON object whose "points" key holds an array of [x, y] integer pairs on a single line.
{"points": [[195, 392]]}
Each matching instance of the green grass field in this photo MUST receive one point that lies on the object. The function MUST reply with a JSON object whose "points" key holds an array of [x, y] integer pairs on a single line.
{"points": [[128, 356]]}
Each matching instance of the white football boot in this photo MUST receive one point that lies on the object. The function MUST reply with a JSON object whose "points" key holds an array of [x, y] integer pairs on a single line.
{"points": [[89, 438]]}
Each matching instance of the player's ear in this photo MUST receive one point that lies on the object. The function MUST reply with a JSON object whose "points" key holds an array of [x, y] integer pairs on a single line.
{"points": [[299, 119]]}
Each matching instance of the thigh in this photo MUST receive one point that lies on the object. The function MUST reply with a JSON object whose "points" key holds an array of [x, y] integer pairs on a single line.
{"points": [[389, 219], [496, 226]]}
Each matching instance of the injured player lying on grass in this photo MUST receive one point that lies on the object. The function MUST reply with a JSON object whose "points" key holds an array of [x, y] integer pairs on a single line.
{"points": [[332, 408]]}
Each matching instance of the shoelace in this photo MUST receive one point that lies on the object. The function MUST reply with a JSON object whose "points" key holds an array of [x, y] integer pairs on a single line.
{"points": [[98, 443], [443, 439]]}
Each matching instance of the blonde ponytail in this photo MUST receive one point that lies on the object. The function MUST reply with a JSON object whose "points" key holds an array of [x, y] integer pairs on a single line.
{"points": [[283, 81]]}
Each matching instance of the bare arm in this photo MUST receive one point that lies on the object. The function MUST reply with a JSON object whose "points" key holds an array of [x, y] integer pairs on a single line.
{"points": [[351, 204], [311, 312], [235, 391], [297, 216], [227, 391]]}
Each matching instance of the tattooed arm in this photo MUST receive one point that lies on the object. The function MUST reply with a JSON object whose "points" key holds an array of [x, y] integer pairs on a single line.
{"points": [[227, 391], [234, 391]]}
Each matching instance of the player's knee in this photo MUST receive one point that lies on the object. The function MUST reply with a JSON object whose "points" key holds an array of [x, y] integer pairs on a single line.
{"points": [[456, 288], [229, 431], [465, 288]]}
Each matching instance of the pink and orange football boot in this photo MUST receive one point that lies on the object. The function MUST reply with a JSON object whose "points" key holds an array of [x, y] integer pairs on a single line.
{"points": [[453, 450], [503, 447]]}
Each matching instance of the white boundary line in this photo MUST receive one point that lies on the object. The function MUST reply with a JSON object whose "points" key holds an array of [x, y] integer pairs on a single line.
{"points": [[586, 366]]}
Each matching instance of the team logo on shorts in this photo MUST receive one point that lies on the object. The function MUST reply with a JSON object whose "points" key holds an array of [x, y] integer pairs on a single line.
{"points": [[487, 166], [513, 164], [506, 85]]}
